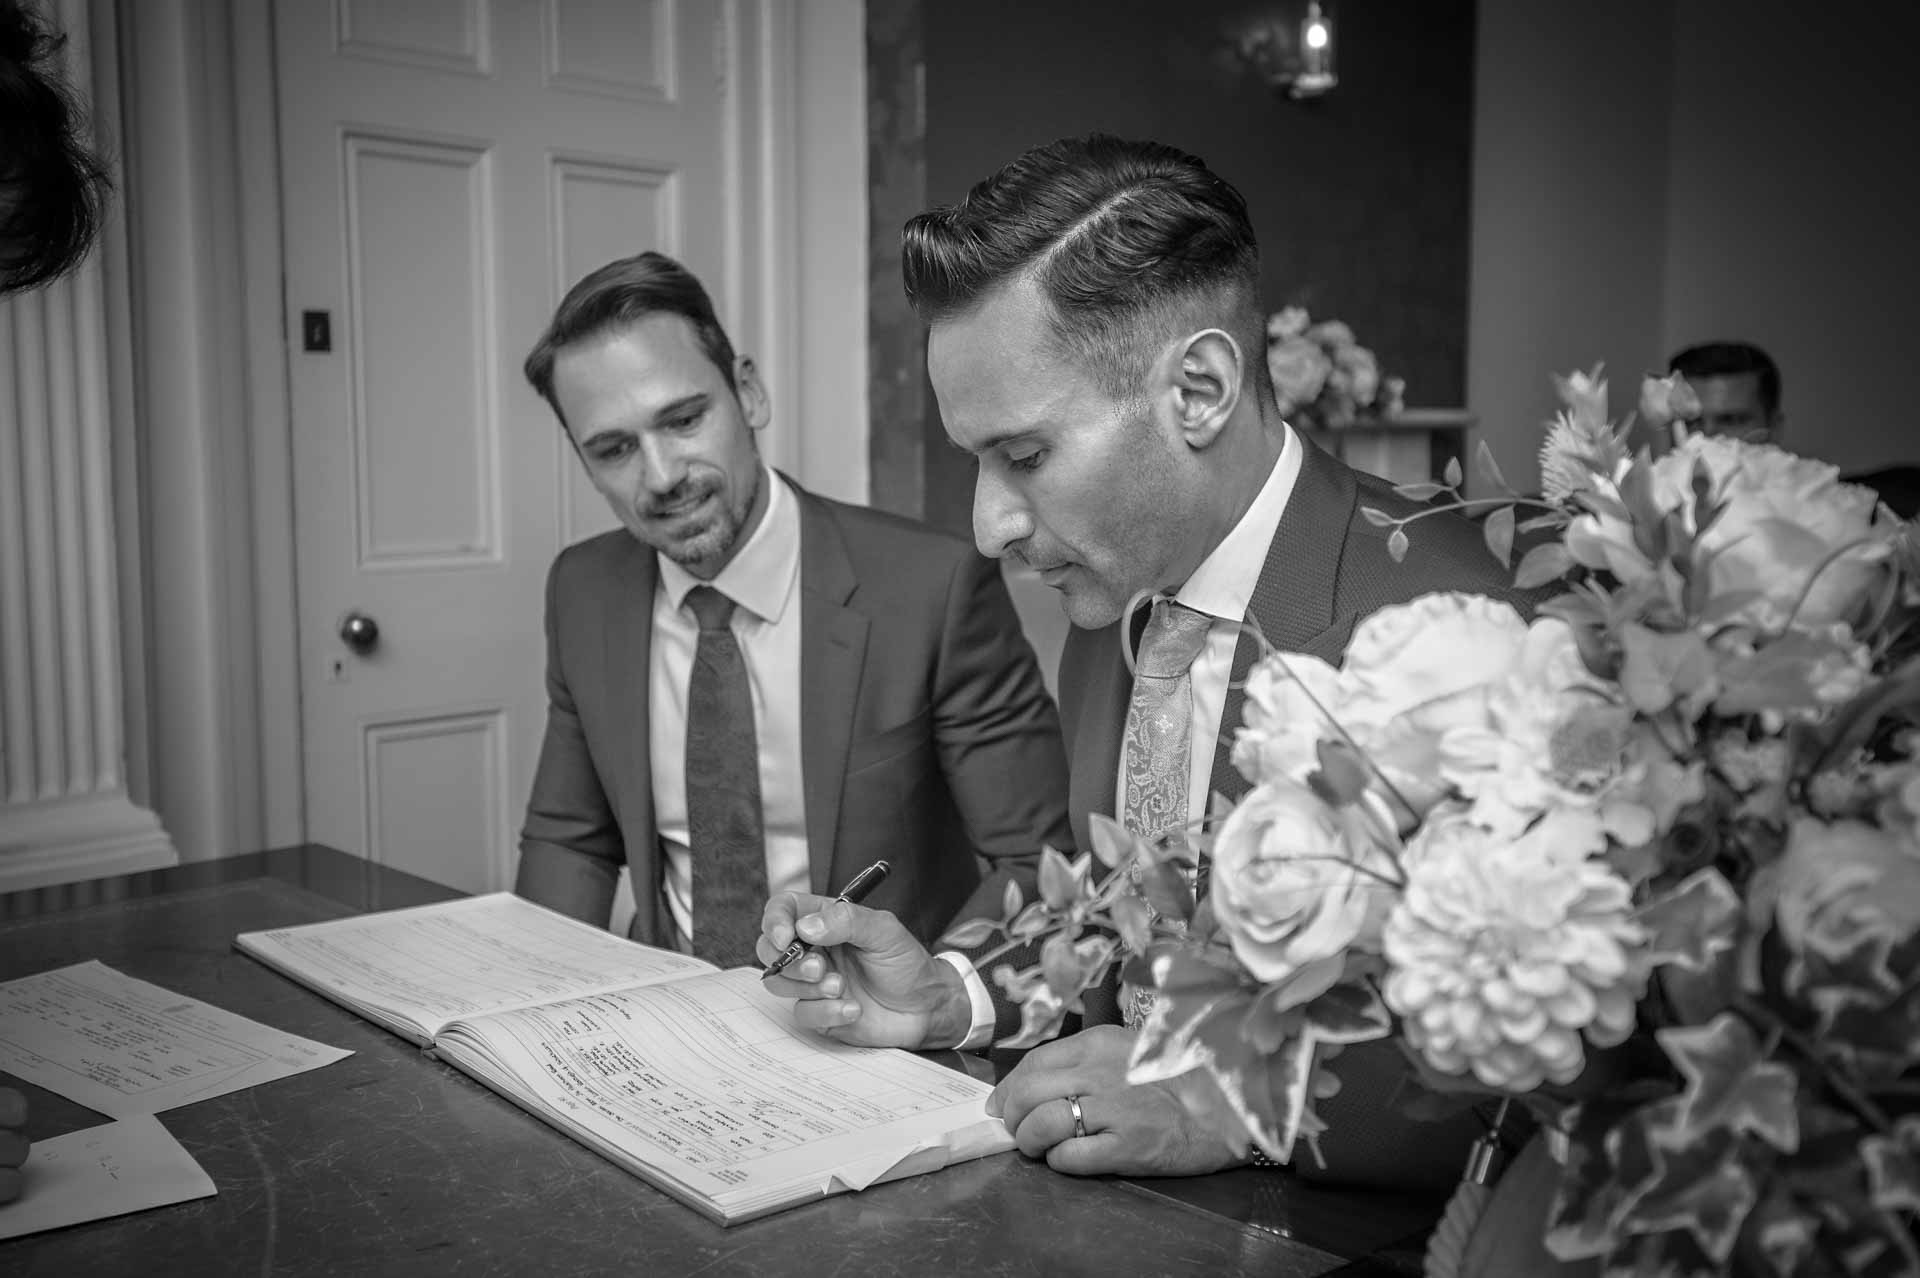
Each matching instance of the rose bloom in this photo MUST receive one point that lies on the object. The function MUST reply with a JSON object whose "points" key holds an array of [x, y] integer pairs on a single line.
{"points": [[1297, 882], [1287, 322], [1362, 373], [1299, 370], [1667, 399], [1843, 881], [1555, 737], [1785, 516], [1413, 672]]}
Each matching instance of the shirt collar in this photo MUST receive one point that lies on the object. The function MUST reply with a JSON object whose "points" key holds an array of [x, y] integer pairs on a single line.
{"points": [[760, 576], [1222, 586]]}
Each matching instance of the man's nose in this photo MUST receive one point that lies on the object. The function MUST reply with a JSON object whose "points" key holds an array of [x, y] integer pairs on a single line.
{"points": [[665, 466], [1000, 517]]}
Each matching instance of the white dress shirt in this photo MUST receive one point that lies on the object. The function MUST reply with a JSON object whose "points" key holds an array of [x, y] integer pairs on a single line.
{"points": [[763, 580], [1222, 587]]}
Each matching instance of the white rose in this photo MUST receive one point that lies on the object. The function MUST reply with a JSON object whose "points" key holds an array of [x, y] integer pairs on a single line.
{"points": [[1297, 882], [1299, 371], [1413, 672], [1784, 517]]}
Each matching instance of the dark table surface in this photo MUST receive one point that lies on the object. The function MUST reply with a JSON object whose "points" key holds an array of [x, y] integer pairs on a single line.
{"points": [[392, 1162]]}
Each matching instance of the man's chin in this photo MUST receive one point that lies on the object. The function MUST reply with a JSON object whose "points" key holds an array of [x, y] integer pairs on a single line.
{"points": [[1089, 609]]}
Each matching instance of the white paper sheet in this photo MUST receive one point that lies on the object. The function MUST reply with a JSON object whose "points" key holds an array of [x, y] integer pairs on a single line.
{"points": [[103, 1171], [708, 1083], [433, 963], [124, 1046]]}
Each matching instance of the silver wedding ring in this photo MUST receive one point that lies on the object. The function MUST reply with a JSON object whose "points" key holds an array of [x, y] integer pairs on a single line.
{"points": [[1079, 1119]]}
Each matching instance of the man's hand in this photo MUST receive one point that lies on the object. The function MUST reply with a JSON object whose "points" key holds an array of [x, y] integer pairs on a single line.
{"points": [[13, 1143], [867, 980], [1180, 1127]]}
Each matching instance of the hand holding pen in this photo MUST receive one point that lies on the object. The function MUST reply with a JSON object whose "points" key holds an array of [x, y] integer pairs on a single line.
{"points": [[855, 892], [858, 975]]}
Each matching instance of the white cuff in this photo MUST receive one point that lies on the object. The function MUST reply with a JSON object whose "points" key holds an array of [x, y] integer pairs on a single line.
{"points": [[980, 1034]]}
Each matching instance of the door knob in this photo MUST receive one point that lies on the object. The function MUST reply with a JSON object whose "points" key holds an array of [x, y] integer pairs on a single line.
{"points": [[359, 632]]}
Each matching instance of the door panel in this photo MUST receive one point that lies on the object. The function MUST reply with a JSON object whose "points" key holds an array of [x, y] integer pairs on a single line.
{"points": [[448, 169]]}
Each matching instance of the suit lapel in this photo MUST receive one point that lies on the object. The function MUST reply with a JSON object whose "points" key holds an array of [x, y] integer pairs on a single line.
{"points": [[1294, 601], [833, 649], [1096, 719], [628, 661]]}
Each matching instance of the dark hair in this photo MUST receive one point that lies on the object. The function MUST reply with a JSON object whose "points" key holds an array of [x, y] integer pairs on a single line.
{"points": [[626, 291], [1731, 359], [52, 186], [1124, 239]]}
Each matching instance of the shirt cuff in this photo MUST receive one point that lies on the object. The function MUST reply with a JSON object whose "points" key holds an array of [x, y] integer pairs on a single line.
{"points": [[980, 1033]]}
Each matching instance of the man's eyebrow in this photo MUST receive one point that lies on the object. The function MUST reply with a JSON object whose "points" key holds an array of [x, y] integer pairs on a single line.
{"points": [[992, 442]]}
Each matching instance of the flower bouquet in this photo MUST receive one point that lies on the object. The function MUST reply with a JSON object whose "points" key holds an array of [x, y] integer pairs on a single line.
{"points": [[1647, 865], [1322, 377]]}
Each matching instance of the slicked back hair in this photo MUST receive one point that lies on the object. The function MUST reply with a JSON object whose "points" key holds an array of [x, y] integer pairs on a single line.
{"points": [[52, 185], [622, 292], [1731, 359], [1132, 244]]}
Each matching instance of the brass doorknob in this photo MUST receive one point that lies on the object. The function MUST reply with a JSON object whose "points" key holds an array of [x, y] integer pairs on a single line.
{"points": [[359, 632]]}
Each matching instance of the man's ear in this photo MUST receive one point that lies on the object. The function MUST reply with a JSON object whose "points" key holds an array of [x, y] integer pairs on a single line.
{"points": [[752, 393], [1204, 378]]}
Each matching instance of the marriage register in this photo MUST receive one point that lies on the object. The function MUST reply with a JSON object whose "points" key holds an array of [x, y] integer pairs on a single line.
{"points": [[691, 1077]]}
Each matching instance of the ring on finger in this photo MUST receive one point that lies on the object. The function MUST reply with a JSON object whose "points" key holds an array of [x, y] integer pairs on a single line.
{"points": [[1079, 1118]]}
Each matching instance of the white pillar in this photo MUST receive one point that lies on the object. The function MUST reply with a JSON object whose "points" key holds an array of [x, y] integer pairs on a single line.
{"points": [[65, 812]]}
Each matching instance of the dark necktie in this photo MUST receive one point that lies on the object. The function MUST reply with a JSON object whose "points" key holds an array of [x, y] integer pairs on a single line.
{"points": [[724, 832]]}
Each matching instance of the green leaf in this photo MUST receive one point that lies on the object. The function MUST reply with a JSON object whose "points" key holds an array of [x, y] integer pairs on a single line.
{"points": [[1041, 1017], [1397, 544], [1011, 900], [1377, 517], [1061, 967], [1498, 531], [1452, 473], [1169, 968], [1111, 842], [1030, 922], [1489, 469], [1893, 1167], [1689, 925], [966, 936], [1343, 773], [1133, 920], [1348, 1013], [1167, 892], [1777, 677], [1548, 561], [1730, 1085], [1552, 519], [1059, 885], [1422, 492], [1658, 669]]}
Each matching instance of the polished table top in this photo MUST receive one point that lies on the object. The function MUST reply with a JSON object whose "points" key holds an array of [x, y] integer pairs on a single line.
{"points": [[392, 1162]]}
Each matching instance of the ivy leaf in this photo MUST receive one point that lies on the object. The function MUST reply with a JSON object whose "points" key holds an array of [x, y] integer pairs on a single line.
{"points": [[1111, 841], [1548, 561], [1420, 492], [1397, 544], [1059, 884], [1166, 890], [1731, 1085], [1170, 969], [1133, 920], [965, 936], [1498, 531], [1377, 517], [1348, 1013], [1694, 922], [1893, 1167], [1709, 1195]]}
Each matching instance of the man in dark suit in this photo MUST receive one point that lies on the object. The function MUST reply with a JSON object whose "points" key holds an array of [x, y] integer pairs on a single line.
{"points": [[1097, 342], [753, 688]]}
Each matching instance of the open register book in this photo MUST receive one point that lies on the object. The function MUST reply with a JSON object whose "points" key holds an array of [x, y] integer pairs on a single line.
{"points": [[688, 1076]]}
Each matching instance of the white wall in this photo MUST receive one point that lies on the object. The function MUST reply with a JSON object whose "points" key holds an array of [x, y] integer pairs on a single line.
{"points": [[1570, 174], [1657, 172], [1793, 126]]}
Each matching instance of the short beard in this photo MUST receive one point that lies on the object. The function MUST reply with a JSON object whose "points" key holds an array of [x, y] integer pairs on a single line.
{"points": [[714, 543]]}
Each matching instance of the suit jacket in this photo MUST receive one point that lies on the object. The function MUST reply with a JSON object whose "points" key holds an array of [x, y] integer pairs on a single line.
{"points": [[1326, 569], [928, 737]]}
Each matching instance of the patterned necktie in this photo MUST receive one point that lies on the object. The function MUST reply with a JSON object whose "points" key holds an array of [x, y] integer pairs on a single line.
{"points": [[1156, 754], [724, 830]]}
